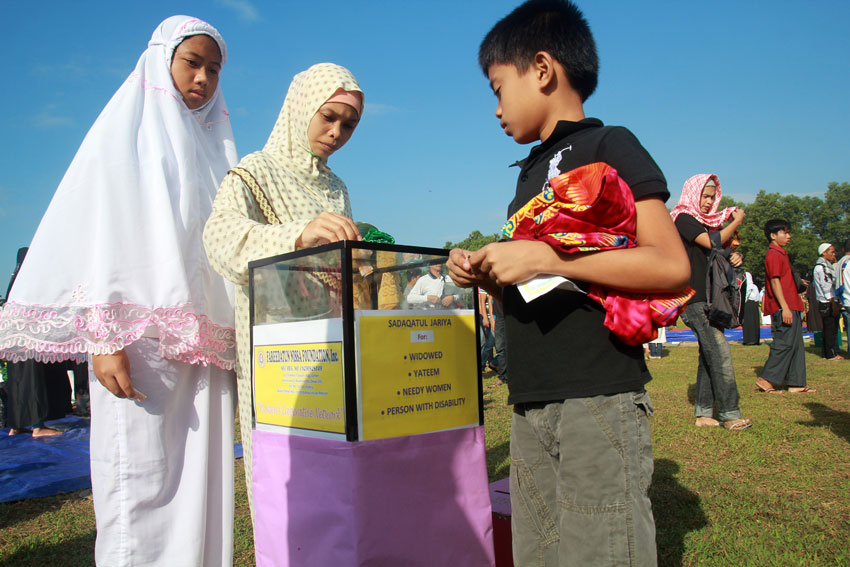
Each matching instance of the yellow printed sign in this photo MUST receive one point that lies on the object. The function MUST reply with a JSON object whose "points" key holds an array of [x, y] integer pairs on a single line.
{"points": [[417, 374], [300, 386]]}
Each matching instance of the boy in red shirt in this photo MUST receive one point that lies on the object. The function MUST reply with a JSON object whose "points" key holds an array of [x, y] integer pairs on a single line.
{"points": [[786, 362]]}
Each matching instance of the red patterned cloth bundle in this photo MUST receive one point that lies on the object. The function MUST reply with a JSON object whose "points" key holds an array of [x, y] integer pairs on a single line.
{"points": [[591, 209]]}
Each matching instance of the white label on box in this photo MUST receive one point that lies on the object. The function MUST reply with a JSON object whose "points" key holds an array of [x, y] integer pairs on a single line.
{"points": [[422, 336]]}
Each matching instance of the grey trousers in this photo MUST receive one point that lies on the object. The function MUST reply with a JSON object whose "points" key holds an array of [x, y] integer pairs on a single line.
{"points": [[717, 390], [580, 476], [786, 363]]}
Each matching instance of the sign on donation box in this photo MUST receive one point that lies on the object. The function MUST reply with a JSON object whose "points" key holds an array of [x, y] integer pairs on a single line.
{"points": [[362, 341], [366, 381]]}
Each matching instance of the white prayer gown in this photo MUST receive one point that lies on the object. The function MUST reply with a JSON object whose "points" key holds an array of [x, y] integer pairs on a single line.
{"points": [[118, 263]]}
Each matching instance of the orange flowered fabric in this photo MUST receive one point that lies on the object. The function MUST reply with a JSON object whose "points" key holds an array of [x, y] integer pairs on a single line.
{"points": [[591, 209]]}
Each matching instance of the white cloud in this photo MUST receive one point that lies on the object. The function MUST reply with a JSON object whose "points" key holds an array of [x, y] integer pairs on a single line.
{"points": [[84, 69], [245, 11], [71, 69], [378, 109], [49, 118]]}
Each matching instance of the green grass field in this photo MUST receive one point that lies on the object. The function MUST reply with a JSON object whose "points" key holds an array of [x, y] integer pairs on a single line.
{"points": [[777, 494]]}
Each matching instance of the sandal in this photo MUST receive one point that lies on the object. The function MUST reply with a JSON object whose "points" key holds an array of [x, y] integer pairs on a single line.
{"points": [[769, 389], [805, 390], [737, 424]]}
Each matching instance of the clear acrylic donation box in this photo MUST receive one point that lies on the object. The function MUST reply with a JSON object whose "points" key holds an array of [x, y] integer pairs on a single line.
{"points": [[368, 411]]}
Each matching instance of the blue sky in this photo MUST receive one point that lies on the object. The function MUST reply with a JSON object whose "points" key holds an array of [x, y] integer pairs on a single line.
{"points": [[758, 93]]}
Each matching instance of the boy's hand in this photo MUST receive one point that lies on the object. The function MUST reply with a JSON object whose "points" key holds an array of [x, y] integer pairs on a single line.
{"points": [[460, 269], [516, 261], [787, 316]]}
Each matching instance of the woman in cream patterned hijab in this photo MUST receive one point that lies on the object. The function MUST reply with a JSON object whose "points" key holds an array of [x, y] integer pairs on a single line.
{"points": [[296, 202]]}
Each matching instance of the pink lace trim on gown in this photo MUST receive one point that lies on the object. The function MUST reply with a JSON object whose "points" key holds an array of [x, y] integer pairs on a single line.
{"points": [[53, 333]]}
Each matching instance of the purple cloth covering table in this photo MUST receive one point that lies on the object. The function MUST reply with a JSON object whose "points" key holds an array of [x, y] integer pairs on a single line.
{"points": [[414, 500]]}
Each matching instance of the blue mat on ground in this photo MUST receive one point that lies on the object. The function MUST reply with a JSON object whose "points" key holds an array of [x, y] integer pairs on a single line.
{"points": [[35, 467], [46, 466], [686, 335]]}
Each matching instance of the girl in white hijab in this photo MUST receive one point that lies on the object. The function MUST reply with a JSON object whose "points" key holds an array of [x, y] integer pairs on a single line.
{"points": [[117, 271], [296, 201]]}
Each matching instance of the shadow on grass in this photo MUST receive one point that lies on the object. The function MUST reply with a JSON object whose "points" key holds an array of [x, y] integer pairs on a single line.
{"points": [[12, 513], [19, 511], [499, 460], [692, 393], [76, 552], [824, 416], [677, 511], [815, 350]]}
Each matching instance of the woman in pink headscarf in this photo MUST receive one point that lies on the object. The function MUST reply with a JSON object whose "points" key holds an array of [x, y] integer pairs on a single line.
{"points": [[696, 216]]}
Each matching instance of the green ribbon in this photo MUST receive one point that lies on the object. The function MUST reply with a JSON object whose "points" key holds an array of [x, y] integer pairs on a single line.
{"points": [[375, 235]]}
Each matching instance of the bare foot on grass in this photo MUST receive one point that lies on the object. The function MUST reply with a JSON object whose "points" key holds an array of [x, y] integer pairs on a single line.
{"points": [[707, 422]]}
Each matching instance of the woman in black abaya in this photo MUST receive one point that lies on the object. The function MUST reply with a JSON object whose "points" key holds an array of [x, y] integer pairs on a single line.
{"points": [[35, 391]]}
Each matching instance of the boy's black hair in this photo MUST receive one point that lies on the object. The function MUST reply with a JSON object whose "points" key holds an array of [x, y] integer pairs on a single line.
{"points": [[554, 26], [775, 225]]}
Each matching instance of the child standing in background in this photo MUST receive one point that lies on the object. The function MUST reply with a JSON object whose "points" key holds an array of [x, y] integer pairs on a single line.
{"points": [[786, 363]]}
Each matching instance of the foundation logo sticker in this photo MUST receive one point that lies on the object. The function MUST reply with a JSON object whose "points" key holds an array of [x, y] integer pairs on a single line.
{"points": [[261, 358]]}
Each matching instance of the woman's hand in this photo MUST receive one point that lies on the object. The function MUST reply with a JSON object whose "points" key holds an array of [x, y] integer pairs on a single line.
{"points": [[326, 228], [738, 216], [113, 371]]}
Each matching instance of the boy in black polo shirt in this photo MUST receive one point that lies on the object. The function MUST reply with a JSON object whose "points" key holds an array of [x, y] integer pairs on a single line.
{"points": [[581, 457]]}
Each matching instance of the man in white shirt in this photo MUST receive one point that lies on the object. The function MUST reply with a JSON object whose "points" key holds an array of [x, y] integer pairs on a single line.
{"points": [[823, 275], [429, 291]]}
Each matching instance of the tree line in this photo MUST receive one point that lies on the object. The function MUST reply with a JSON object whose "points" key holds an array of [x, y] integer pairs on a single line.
{"points": [[813, 220]]}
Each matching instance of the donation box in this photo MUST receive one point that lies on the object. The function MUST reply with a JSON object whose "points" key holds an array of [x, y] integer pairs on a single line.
{"points": [[368, 419]]}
